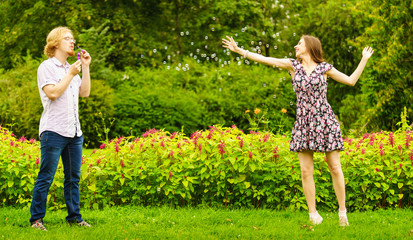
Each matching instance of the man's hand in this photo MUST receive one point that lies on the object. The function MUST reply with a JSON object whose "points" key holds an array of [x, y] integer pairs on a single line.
{"points": [[85, 58]]}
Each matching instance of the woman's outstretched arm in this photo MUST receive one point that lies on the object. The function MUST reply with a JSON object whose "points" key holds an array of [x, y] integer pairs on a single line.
{"points": [[353, 78], [275, 62]]}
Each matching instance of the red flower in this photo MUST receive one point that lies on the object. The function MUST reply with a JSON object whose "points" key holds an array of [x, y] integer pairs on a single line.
{"points": [[178, 145], [32, 140], [400, 165], [171, 154], [381, 153], [363, 151], [275, 156], [250, 155], [241, 143], [122, 163], [170, 174], [381, 146], [37, 162], [117, 148], [200, 147], [377, 170], [391, 139], [173, 135], [102, 146], [162, 145], [221, 147], [372, 139]]}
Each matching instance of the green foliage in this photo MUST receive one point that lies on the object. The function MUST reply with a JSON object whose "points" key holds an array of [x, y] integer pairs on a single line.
{"points": [[124, 36], [219, 167], [193, 96], [21, 107], [20, 103], [96, 113], [388, 82]]}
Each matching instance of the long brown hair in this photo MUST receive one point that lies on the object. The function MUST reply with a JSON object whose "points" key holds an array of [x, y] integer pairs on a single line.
{"points": [[314, 48]]}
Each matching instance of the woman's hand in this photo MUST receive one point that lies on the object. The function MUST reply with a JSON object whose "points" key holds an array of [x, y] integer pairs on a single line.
{"points": [[230, 44], [367, 52]]}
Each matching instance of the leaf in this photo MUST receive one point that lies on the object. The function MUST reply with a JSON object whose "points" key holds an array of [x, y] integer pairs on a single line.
{"points": [[232, 160], [122, 181], [92, 187], [377, 184], [10, 183], [391, 191], [241, 178], [185, 183], [203, 170], [401, 196], [253, 167], [95, 206], [400, 185], [247, 184]]}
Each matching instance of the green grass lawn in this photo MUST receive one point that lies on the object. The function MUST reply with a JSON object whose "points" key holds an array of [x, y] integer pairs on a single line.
{"points": [[207, 223]]}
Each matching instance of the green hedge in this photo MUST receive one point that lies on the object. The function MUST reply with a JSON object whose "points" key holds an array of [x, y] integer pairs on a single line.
{"points": [[186, 97], [216, 167]]}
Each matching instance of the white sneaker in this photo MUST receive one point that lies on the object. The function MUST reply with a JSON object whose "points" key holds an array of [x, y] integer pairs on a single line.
{"points": [[343, 221], [315, 218], [342, 217]]}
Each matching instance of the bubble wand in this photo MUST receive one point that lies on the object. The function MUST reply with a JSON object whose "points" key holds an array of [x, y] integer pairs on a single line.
{"points": [[78, 54]]}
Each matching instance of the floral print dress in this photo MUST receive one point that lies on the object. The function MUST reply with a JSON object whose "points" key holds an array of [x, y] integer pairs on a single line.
{"points": [[315, 127]]}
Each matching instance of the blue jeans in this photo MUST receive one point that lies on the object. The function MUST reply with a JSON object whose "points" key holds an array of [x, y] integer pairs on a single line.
{"points": [[53, 146]]}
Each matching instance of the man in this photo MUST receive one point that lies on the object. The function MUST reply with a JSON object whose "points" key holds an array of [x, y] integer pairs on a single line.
{"points": [[60, 135]]}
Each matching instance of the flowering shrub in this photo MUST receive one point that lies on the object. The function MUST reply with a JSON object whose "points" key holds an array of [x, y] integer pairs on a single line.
{"points": [[217, 167]]}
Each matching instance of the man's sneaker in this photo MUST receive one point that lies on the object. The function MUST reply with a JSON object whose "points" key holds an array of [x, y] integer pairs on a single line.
{"points": [[38, 225], [315, 218], [343, 221], [81, 223]]}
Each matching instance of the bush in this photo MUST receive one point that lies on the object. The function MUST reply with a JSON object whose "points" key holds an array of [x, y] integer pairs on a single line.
{"points": [[217, 167], [192, 96], [21, 107]]}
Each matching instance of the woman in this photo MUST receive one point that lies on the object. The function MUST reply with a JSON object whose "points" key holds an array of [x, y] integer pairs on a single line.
{"points": [[316, 128]]}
